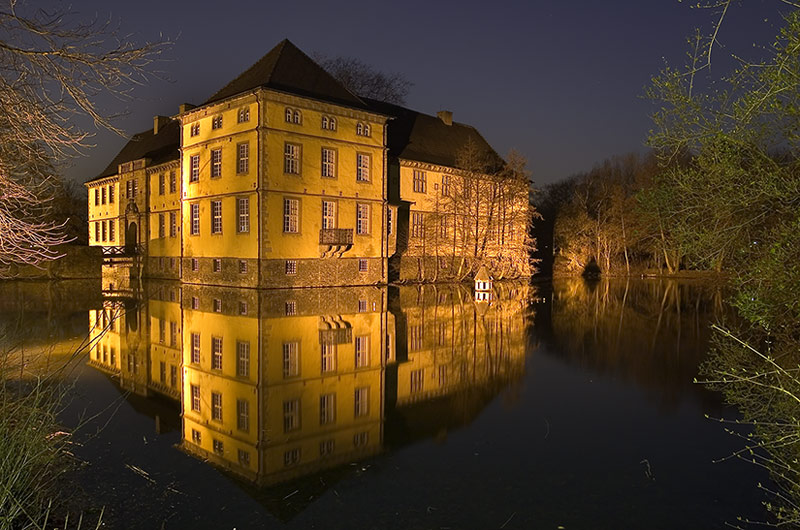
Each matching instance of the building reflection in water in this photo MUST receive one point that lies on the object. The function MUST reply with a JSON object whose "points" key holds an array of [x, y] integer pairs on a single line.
{"points": [[279, 384]]}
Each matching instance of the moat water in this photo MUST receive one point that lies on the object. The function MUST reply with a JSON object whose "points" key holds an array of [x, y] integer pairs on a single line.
{"points": [[568, 404]]}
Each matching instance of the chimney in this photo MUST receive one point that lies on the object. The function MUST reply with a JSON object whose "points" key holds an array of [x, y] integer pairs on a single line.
{"points": [[446, 116], [184, 107], [159, 122]]}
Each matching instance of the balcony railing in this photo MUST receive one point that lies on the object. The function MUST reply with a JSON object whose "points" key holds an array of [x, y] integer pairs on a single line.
{"points": [[336, 336], [122, 251], [336, 236]]}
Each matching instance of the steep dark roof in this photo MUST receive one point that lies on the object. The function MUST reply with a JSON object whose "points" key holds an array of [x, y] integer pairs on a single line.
{"points": [[288, 69], [160, 148], [424, 138]]}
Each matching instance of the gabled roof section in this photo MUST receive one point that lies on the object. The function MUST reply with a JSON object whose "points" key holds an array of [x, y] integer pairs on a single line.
{"points": [[424, 138], [160, 148], [288, 69]]}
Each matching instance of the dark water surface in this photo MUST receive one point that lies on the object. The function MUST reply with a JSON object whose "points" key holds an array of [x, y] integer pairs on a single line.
{"points": [[568, 405]]}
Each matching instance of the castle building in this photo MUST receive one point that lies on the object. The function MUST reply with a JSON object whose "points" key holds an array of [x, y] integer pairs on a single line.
{"points": [[284, 178]]}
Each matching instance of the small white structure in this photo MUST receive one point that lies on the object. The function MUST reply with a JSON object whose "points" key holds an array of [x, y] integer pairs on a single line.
{"points": [[483, 285]]}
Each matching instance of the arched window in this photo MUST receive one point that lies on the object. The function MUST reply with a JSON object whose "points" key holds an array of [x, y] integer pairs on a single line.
{"points": [[288, 115], [360, 129], [297, 117], [366, 129], [332, 125], [324, 122]]}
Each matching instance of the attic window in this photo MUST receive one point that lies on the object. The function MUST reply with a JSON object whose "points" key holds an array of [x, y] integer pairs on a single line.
{"points": [[194, 129], [363, 129], [329, 123], [216, 122], [243, 115], [293, 116]]}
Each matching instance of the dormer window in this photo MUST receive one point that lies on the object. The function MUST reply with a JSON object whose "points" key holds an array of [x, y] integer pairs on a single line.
{"points": [[329, 123], [363, 129], [293, 116]]}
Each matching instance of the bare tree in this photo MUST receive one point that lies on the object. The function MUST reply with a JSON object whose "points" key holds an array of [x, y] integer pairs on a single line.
{"points": [[364, 80], [53, 69]]}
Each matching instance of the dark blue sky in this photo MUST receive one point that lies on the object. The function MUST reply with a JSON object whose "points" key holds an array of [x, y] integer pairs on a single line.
{"points": [[560, 81]]}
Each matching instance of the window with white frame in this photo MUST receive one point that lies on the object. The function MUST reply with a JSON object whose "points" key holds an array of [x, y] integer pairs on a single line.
{"points": [[216, 353], [104, 230], [446, 185], [162, 183], [111, 189], [216, 406], [389, 221], [361, 402], [363, 265], [327, 409], [244, 458], [328, 162], [243, 214], [216, 122], [291, 415], [362, 167], [291, 266], [291, 359], [291, 216], [243, 115], [216, 163], [173, 224], [103, 195], [195, 264], [291, 159], [97, 197], [420, 181], [195, 391], [416, 224], [195, 338], [363, 129], [328, 215], [242, 157], [216, 266], [328, 350], [111, 235], [242, 358], [194, 129], [362, 219], [361, 346], [216, 217], [173, 182], [194, 168], [291, 457], [243, 415], [242, 266], [194, 215], [162, 225], [417, 380]]}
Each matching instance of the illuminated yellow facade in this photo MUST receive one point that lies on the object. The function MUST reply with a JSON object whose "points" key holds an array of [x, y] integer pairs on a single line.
{"points": [[284, 178]]}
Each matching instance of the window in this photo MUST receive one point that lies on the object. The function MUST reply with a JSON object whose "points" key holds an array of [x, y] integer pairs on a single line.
{"points": [[162, 225], [217, 305], [216, 122], [362, 351], [361, 439], [291, 159], [131, 189], [195, 398], [297, 117], [363, 129], [96, 197], [219, 447], [291, 266], [242, 308], [242, 358], [162, 331], [194, 168], [416, 333], [242, 157], [162, 184], [363, 265], [361, 401], [243, 214], [362, 219], [216, 406], [97, 231], [243, 115], [195, 348], [162, 372], [195, 264], [362, 167], [288, 115], [216, 217], [243, 415], [417, 380], [194, 129], [111, 228], [244, 458], [194, 212], [173, 334], [173, 224], [242, 266], [111, 194], [292, 116], [196, 438], [362, 306], [291, 216], [104, 229], [443, 226], [173, 182], [291, 308], [442, 375], [420, 181], [446, 185], [389, 221], [291, 415], [329, 123], [328, 215], [173, 376], [103, 195], [291, 357], [326, 447], [195, 304], [416, 224], [327, 409], [291, 457], [325, 122], [216, 163], [328, 162], [328, 357], [216, 352]]}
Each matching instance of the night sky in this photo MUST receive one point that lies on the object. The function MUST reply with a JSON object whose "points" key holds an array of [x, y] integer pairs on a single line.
{"points": [[560, 81]]}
